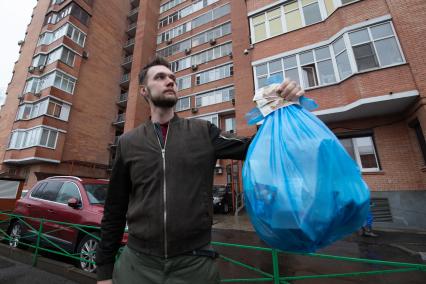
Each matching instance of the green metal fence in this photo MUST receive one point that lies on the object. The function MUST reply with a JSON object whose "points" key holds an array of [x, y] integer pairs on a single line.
{"points": [[43, 243]]}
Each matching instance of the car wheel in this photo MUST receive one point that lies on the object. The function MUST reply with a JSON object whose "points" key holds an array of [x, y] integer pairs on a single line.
{"points": [[87, 251], [15, 234]]}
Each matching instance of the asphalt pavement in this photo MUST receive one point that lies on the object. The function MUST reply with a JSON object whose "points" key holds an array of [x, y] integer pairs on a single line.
{"points": [[14, 272], [398, 246]]}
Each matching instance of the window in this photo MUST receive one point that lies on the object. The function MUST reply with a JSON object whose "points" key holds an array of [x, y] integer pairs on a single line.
{"points": [[325, 65], [230, 124], [37, 191], [342, 58], [214, 74], [67, 191], [57, 79], [329, 6], [183, 104], [371, 47], [185, 12], [67, 56], [375, 46], [211, 34], [362, 150], [259, 26], [39, 60], [168, 5], [196, 22], [309, 73], [50, 191], [291, 15], [175, 48], [183, 82], [47, 106], [311, 11], [214, 119], [72, 9], [214, 97], [64, 82], [39, 136], [68, 29], [420, 137], [211, 54]]}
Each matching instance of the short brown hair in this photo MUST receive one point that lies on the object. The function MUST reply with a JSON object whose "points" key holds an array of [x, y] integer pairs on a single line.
{"points": [[157, 60]]}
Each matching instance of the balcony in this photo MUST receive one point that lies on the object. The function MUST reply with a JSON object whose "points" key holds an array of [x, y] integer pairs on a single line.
{"points": [[129, 45], [127, 62], [115, 142], [122, 99], [131, 31], [133, 14], [120, 120], [125, 80]]}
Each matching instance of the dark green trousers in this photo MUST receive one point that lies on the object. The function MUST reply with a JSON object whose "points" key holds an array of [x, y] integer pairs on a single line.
{"points": [[137, 268]]}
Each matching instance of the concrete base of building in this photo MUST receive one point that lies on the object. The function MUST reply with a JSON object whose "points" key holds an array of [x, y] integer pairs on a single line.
{"points": [[407, 209]]}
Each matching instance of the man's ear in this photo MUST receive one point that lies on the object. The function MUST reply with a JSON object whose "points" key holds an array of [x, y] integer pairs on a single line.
{"points": [[143, 90]]}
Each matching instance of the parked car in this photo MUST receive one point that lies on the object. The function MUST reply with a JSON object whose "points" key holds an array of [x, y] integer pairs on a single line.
{"points": [[222, 198], [64, 199]]}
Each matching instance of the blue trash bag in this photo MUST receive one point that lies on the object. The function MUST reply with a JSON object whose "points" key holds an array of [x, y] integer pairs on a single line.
{"points": [[302, 189]]}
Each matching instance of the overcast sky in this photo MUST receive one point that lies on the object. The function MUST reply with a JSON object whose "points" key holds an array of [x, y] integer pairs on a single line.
{"points": [[15, 15]]}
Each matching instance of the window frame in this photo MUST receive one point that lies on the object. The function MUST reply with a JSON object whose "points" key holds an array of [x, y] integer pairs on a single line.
{"points": [[357, 160], [343, 36]]}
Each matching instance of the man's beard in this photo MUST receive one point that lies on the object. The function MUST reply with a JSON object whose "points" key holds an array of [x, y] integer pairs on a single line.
{"points": [[163, 101]]}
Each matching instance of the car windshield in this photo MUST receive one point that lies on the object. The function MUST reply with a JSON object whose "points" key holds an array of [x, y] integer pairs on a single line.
{"points": [[96, 193]]}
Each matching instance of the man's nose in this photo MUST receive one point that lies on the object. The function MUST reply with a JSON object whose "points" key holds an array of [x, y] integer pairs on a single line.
{"points": [[170, 81]]}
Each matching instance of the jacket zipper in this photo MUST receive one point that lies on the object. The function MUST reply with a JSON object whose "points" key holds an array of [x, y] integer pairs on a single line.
{"points": [[163, 155]]}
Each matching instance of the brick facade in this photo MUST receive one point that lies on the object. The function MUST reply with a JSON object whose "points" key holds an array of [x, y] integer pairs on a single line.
{"points": [[86, 147]]}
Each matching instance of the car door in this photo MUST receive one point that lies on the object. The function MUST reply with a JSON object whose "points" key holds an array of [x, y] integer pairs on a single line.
{"points": [[45, 202], [31, 208], [60, 211]]}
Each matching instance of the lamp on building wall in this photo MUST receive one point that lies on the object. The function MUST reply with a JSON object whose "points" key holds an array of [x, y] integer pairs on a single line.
{"points": [[246, 51]]}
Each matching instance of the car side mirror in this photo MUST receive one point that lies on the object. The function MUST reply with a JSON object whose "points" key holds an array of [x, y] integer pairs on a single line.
{"points": [[73, 202]]}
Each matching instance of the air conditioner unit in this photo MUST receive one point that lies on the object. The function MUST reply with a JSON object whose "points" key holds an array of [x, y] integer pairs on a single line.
{"points": [[37, 94], [170, 41], [85, 55], [31, 69], [41, 67], [194, 110], [194, 67], [212, 41], [187, 51]]}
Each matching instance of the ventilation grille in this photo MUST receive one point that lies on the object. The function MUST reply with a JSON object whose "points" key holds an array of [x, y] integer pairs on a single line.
{"points": [[381, 210]]}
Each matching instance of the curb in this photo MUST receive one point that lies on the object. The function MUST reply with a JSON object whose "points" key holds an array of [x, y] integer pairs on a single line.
{"points": [[52, 266]]}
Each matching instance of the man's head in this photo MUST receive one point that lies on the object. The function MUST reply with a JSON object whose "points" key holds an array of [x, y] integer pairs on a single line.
{"points": [[158, 83]]}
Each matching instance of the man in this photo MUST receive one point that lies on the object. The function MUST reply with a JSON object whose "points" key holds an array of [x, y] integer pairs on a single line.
{"points": [[161, 183]]}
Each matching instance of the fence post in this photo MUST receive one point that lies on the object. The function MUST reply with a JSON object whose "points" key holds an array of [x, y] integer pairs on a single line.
{"points": [[40, 230], [275, 266]]}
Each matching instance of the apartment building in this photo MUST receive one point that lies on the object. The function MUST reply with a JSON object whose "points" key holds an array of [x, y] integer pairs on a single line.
{"points": [[75, 88]]}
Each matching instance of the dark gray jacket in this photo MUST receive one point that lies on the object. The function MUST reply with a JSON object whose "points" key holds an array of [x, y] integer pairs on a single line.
{"points": [[166, 193]]}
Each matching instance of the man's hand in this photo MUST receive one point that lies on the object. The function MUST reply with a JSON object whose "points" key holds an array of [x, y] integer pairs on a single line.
{"points": [[290, 90], [109, 281]]}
